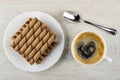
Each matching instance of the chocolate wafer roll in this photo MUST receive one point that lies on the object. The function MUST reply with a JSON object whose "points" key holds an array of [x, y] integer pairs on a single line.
{"points": [[39, 45], [20, 36], [35, 42], [49, 49], [42, 49], [28, 21], [30, 36], [40, 32], [21, 29], [30, 40], [41, 58], [32, 23], [46, 52]]}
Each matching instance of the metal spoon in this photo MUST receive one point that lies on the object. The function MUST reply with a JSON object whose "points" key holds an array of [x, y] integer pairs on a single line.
{"points": [[72, 16]]}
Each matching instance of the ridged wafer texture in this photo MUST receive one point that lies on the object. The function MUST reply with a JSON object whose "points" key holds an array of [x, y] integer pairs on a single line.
{"points": [[41, 49], [31, 39], [46, 53], [38, 42], [34, 39], [34, 42], [21, 29], [26, 33]]}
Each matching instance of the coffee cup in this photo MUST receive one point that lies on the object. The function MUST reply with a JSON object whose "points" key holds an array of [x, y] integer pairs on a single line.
{"points": [[89, 39]]}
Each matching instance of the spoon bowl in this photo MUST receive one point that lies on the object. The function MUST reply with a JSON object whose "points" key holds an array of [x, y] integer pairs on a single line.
{"points": [[72, 16]]}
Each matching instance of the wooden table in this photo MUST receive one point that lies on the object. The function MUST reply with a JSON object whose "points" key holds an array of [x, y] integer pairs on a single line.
{"points": [[104, 12]]}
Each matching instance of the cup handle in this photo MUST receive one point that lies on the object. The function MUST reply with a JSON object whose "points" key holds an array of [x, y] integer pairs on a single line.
{"points": [[108, 59]]}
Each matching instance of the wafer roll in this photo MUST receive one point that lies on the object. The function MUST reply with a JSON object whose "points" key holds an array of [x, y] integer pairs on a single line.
{"points": [[26, 45], [38, 61], [39, 45], [28, 21], [29, 37], [35, 42], [20, 36], [47, 52], [33, 21], [50, 48], [20, 40], [41, 58], [42, 49], [22, 28]]}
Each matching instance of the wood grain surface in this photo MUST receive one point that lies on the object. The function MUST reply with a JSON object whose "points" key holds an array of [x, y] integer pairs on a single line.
{"points": [[104, 12]]}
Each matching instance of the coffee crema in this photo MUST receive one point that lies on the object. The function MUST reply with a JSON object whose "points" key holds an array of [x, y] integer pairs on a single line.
{"points": [[88, 48]]}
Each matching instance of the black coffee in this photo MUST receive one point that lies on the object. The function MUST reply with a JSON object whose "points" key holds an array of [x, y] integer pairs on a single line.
{"points": [[88, 48]]}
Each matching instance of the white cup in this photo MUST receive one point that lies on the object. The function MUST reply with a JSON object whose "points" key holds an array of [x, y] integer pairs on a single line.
{"points": [[104, 54]]}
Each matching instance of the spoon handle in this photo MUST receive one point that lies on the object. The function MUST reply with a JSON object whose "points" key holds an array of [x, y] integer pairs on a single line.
{"points": [[109, 30]]}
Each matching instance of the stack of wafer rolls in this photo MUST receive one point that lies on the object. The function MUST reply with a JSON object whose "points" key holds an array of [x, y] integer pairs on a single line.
{"points": [[33, 41]]}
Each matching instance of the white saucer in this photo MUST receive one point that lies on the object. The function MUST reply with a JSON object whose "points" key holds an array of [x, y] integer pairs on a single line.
{"points": [[19, 61]]}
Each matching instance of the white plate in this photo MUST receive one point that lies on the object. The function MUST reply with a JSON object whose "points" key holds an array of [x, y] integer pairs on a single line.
{"points": [[19, 61]]}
